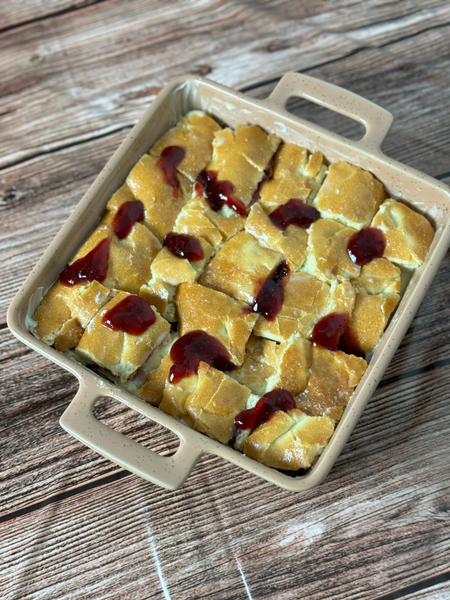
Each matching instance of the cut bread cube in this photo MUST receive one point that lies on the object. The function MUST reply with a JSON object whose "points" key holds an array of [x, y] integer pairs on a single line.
{"points": [[349, 195], [408, 234], [194, 133]]}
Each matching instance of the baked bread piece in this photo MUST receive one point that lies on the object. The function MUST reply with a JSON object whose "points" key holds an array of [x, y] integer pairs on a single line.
{"points": [[161, 202], [333, 377], [119, 352], [240, 267], [368, 321], [194, 133], [349, 195], [292, 243], [260, 363], [153, 387], [130, 259], [216, 227], [65, 312], [328, 257], [408, 234], [268, 365], [306, 301], [216, 313], [208, 401], [168, 272], [289, 440], [241, 157], [296, 174], [379, 276]]}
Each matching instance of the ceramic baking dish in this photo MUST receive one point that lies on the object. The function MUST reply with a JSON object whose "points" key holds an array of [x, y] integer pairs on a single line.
{"points": [[426, 195]]}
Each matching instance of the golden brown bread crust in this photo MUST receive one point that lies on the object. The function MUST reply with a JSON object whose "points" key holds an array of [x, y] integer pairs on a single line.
{"points": [[216, 313], [130, 259], [119, 352], [292, 243], [239, 268], [349, 195], [306, 301], [379, 276], [408, 234], [333, 377], [208, 401], [147, 183], [153, 388], [289, 441], [199, 220], [194, 133], [370, 316], [328, 257], [241, 156], [216, 402], [168, 272], [268, 365], [295, 175], [65, 312]]}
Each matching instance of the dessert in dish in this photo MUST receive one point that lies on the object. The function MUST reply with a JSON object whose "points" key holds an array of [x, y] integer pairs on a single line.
{"points": [[240, 284]]}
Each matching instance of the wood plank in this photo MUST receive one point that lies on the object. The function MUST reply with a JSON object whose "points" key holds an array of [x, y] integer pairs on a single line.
{"points": [[104, 65], [15, 14], [354, 537], [441, 591]]}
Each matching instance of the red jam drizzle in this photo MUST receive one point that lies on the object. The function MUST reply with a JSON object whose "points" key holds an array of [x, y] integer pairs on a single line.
{"points": [[365, 245], [93, 266], [349, 343], [263, 411], [218, 193], [168, 162], [329, 330], [184, 246], [270, 298], [127, 215], [294, 212], [132, 315], [193, 348]]}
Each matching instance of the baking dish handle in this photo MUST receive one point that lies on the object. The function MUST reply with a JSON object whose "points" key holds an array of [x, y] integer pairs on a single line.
{"points": [[167, 471], [375, 119]]}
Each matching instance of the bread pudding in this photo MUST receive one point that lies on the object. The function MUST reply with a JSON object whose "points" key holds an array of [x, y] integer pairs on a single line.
{"points": [[240, 284]]}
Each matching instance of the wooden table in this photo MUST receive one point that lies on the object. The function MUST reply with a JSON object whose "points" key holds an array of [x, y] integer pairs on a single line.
{"points": [[75, 75]]}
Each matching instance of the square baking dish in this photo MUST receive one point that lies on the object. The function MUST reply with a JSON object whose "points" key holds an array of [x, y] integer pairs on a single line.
{"points": [[181, 95]]}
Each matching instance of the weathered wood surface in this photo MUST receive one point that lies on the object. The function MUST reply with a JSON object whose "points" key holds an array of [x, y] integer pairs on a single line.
{"points": [[71, 86]]}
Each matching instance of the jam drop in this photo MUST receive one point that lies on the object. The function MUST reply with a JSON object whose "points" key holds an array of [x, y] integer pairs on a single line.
{"points": [[294, 212], [168, 162], [132, 315], [93, 266], [349, 344], [195, 347], [329, 330], [270, 298], [218, 193], [365, 245], [184, 246], [128, 214], [262, 412]]}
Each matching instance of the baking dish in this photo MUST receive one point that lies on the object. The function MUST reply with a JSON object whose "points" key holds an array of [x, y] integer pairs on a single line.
{"points": [[426, 195]]}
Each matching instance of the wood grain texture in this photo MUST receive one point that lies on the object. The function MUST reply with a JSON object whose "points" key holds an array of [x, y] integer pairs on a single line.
{"points": [[76, 525], [89, 72]]}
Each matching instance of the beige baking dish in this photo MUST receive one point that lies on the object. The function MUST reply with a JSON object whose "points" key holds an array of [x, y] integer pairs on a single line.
{"points": [[426, 195]]}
